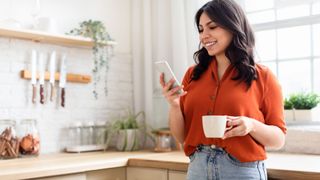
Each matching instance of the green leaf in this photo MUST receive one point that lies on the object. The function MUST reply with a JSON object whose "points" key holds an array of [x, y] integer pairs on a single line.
{"points": [[302, 100], [98, 33]]}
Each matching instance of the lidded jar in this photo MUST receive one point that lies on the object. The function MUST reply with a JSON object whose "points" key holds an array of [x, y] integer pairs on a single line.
{"points": [[163, 141], [9, 143], [29, 137]]}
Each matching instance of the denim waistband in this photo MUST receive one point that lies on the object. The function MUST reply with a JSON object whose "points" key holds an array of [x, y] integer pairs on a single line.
{"points": [[209, 148]]}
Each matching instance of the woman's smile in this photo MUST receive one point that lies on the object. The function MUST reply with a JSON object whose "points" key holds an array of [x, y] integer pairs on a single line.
{"points": [[210, 44]]}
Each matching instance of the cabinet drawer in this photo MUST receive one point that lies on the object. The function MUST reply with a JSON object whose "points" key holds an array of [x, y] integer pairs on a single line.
{"points": [[134, 173], [177, 175], [107, 174]]}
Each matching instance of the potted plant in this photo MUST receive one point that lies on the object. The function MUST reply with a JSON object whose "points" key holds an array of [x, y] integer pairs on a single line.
{"points": [[288, 110], [127, 130], [304, 105], [102, 48]]}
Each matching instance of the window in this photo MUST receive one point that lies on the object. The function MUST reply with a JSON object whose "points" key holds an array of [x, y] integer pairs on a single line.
{"points": [[288, 40]]}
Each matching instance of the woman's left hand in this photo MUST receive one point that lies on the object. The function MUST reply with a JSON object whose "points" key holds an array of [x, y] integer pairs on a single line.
{"points": [[241, 126]]}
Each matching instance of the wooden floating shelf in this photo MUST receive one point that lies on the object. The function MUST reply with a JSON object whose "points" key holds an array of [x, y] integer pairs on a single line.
{"points": [[77, 78], [44, 37]]}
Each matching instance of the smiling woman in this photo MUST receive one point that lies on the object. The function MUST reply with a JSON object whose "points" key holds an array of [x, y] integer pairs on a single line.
{"points": [[226, 80]]}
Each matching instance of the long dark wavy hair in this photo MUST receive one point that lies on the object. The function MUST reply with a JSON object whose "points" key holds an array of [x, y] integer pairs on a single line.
{"points": [[228, 15]]}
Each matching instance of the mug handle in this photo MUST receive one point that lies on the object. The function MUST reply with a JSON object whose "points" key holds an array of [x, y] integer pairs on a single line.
{"points": [[230, 127]]}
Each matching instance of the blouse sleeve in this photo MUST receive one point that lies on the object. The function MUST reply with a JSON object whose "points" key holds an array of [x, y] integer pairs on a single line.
{"points": [[272, 104], [186, 80]]}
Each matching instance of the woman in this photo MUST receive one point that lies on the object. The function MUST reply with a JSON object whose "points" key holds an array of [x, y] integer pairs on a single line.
{"points": [[226, 81]]}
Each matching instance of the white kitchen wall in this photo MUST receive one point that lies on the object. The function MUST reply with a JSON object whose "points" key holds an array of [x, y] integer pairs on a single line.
{"points": [[115, 14], [15, 93]]}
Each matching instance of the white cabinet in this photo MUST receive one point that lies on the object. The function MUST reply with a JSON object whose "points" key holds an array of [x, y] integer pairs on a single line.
{"points": [[137, 173], [177, 175], [123, 173], [79, 176], [107, 174]]}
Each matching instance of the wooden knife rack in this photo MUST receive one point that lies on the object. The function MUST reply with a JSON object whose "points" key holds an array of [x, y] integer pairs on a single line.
{"points": [[76, 78]]}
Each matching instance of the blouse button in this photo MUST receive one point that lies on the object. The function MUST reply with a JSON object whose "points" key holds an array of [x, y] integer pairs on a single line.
{"points": [[213, 97], [210, 112]]}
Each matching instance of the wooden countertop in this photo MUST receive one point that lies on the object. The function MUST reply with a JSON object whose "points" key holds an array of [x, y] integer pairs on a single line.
{"points": [[279, 165], [64, 163], [293, 166], [283, 166]]}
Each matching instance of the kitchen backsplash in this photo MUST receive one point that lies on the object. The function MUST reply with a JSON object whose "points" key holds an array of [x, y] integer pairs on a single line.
{"points": [[15, 93]]}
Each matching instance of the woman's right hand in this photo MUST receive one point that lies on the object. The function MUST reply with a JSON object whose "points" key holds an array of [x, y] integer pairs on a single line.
{"points": [[172, 95]]}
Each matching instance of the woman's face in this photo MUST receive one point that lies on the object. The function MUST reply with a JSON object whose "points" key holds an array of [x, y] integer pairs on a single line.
{"points": [[214, 38]]}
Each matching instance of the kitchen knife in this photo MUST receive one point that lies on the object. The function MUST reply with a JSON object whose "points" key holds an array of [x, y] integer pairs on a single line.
{"points": [[41, 76], [62, 80], [52, 73], [34, 75]]}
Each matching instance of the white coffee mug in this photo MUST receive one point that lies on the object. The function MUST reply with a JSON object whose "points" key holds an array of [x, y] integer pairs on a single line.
{"points": [[214, 126]]}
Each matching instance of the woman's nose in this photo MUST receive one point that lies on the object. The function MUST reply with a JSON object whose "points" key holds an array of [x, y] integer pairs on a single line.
{"points": [[204, 34]]}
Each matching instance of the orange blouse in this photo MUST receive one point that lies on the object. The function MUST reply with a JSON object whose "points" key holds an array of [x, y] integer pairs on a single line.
{"points": [[263, 101]]}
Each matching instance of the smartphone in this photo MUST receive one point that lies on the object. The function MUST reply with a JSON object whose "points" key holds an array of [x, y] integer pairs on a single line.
{"points": [[163, 67]]}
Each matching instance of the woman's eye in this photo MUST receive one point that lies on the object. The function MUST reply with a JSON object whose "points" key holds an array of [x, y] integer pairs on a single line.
{"points": [[209, 27]]}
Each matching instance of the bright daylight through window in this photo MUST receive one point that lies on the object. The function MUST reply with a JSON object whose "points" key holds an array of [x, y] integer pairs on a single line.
{"points": [[288, 40]]}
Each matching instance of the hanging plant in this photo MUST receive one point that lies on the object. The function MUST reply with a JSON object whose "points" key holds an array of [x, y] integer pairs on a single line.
{"points": [[102, 49]]}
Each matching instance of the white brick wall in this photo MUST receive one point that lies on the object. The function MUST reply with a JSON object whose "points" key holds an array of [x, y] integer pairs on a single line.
{"points": [[15, 93]]}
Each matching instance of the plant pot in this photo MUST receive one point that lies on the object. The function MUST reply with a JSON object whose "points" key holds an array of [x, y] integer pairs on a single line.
{"points": [[306, 114], [289, 115], [128, 140]]}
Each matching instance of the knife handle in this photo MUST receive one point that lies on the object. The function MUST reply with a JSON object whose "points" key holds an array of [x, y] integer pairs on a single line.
{"points": [[52, 91], [34, 93], [41, 94], [62, 96]]}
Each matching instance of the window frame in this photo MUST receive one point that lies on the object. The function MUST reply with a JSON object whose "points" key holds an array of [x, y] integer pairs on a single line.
{"points": [[310, 20], [305, 126]]}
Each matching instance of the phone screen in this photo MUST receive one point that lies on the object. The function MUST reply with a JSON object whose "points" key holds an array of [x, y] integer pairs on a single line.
{"points": [[163, 67]]}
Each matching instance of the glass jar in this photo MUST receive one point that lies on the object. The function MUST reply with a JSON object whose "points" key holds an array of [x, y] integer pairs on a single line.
{"points": [[87, 133], [9, 143], [99, 133], [163, 141], [74, 132], [30, 138]]}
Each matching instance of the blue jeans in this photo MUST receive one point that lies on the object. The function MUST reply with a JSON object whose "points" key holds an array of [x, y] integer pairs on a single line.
{"points": [[216, 164]]}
